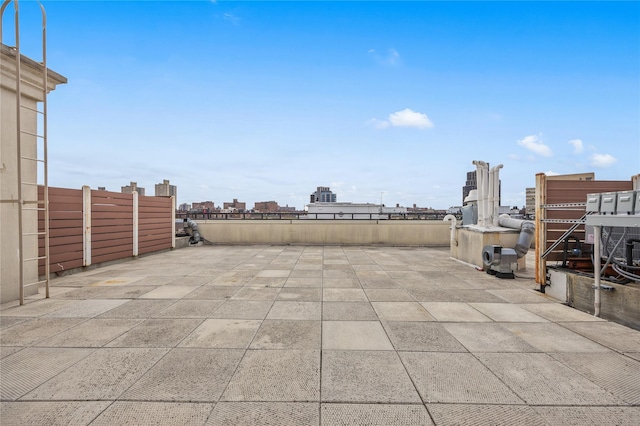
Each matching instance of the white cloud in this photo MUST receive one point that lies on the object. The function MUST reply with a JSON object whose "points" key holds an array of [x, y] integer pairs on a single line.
{"points": [[231, 18], [551, 173], [513, 157], [409, 118], [602, 160], [577, 146], [379, 124], [534, 144], [391, 57]]}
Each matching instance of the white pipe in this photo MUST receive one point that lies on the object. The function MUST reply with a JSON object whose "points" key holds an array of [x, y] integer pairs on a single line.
{"points": [[451, 218], [490, 197], [481, 178], [597, 234], [496, 194]]}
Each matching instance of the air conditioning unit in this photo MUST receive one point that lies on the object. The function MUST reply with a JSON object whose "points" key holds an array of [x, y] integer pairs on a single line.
{"points": [[499, 261]]}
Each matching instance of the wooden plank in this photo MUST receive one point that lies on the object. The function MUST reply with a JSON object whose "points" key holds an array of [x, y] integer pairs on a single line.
{"points": [[111, 208], [105, 228], [113, 245], [110, 215], [107, 222], [106, 250], [110, 257], [111, 236]]}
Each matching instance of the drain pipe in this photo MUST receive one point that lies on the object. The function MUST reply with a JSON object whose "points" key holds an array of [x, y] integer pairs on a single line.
{"points": [[451, 218], [527, 231], [195, 233], [481, 181]]}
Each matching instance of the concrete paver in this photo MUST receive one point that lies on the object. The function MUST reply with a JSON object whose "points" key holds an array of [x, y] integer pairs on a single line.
{"points": [[313, 335]]}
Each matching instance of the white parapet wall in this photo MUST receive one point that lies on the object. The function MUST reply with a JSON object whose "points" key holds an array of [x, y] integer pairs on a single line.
{"points": [[342, 232]]}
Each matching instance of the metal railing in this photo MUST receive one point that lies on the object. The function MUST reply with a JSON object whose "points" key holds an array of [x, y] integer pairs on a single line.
{"points": [[311, 216]]}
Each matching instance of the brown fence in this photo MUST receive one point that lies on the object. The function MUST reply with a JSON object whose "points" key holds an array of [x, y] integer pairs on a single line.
{"points": [[65, 229], [154, 217], [553, 222], [114, 229]]}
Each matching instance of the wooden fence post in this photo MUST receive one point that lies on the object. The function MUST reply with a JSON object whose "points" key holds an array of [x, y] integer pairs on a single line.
{"points": [[86, 225], [135, 223]]}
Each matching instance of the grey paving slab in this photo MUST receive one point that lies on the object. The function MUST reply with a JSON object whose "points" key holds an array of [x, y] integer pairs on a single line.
{"points": [[344, 295], [550, 337], [87, 308], [274, 273], [230, 281], [365, 376], [155, 280], [355, 335], [488, 337], [187, 374], [190, 309], [615, 373], [558, 312], [345, 282], [103, 375], [339, 273], [45, 413], [634, 355], [580, 416], [222, 333], [454, 312], [25, 370], [265, 413], [485, 415], [157, 333], [388, 295], [305, 271], [375, 414], [295, 311], [522, 296], [93, 333], [612, 335], [192, 281], [348, 311], [540, 380], [288, 334], [7, 322], [303, 282], [138, 309], [284, 375], [117, 292], [503, 312], [300, 294], [455, 378], [115, 281], [243, 309], [401, 311], [271, 282], [154, 413], [5, 351], [35, 330], [256, 293], [212, 292], [421, 337], [35, 309], [169, 292]]}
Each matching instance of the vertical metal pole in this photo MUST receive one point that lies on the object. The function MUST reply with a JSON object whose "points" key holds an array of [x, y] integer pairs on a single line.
{"points": [[19, 153], [47, 263], [173, 222], [86, 225], [135, 222], [597, 231]]}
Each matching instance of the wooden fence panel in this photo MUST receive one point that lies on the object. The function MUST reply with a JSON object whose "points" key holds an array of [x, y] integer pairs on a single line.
{"points": [[110, 210], [155, 224]]}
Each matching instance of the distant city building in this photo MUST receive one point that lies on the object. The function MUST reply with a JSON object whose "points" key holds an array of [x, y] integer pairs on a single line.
{"points": [[133, 186], [235, 205], [472, 183], [530, 202], [203, 206], [334, 210], [184, 207], [164, 189], [323, 194], [102, 188], [266, 207], [287, 209]]}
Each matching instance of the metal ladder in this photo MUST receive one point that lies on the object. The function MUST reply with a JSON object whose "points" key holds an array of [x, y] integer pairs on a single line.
{"points": [[40, 205]]}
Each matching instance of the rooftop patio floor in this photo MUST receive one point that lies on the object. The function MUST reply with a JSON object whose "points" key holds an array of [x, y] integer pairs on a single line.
{"points": [[310, 335]]}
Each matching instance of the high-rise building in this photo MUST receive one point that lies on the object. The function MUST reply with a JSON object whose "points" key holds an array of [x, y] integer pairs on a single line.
{"points": [[323, 194], [133, 186], [266, 207], [530, 201], [184, 207], [235, 205], [202, 206], [472, 183], [164, 189]]}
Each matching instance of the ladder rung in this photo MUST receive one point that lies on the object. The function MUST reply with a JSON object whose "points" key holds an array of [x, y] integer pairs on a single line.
{"points": [[30, 183], [33, 202], [9, 201], [30, 259], [32, 109], [29, 234], [33, 159], [38, 209], [32, 134], [36, 283]]}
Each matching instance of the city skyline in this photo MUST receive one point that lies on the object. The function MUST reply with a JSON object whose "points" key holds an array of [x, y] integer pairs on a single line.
{"points": [[267, 100]]}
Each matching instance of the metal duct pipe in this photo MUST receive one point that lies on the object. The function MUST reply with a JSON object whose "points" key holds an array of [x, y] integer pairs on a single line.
{"points": [[490, 197], [482, 177], [629, 249], [195, 233], [527, 231]]}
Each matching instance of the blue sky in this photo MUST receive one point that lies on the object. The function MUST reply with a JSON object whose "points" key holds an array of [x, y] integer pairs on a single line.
{"points": [[268, 100]]}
